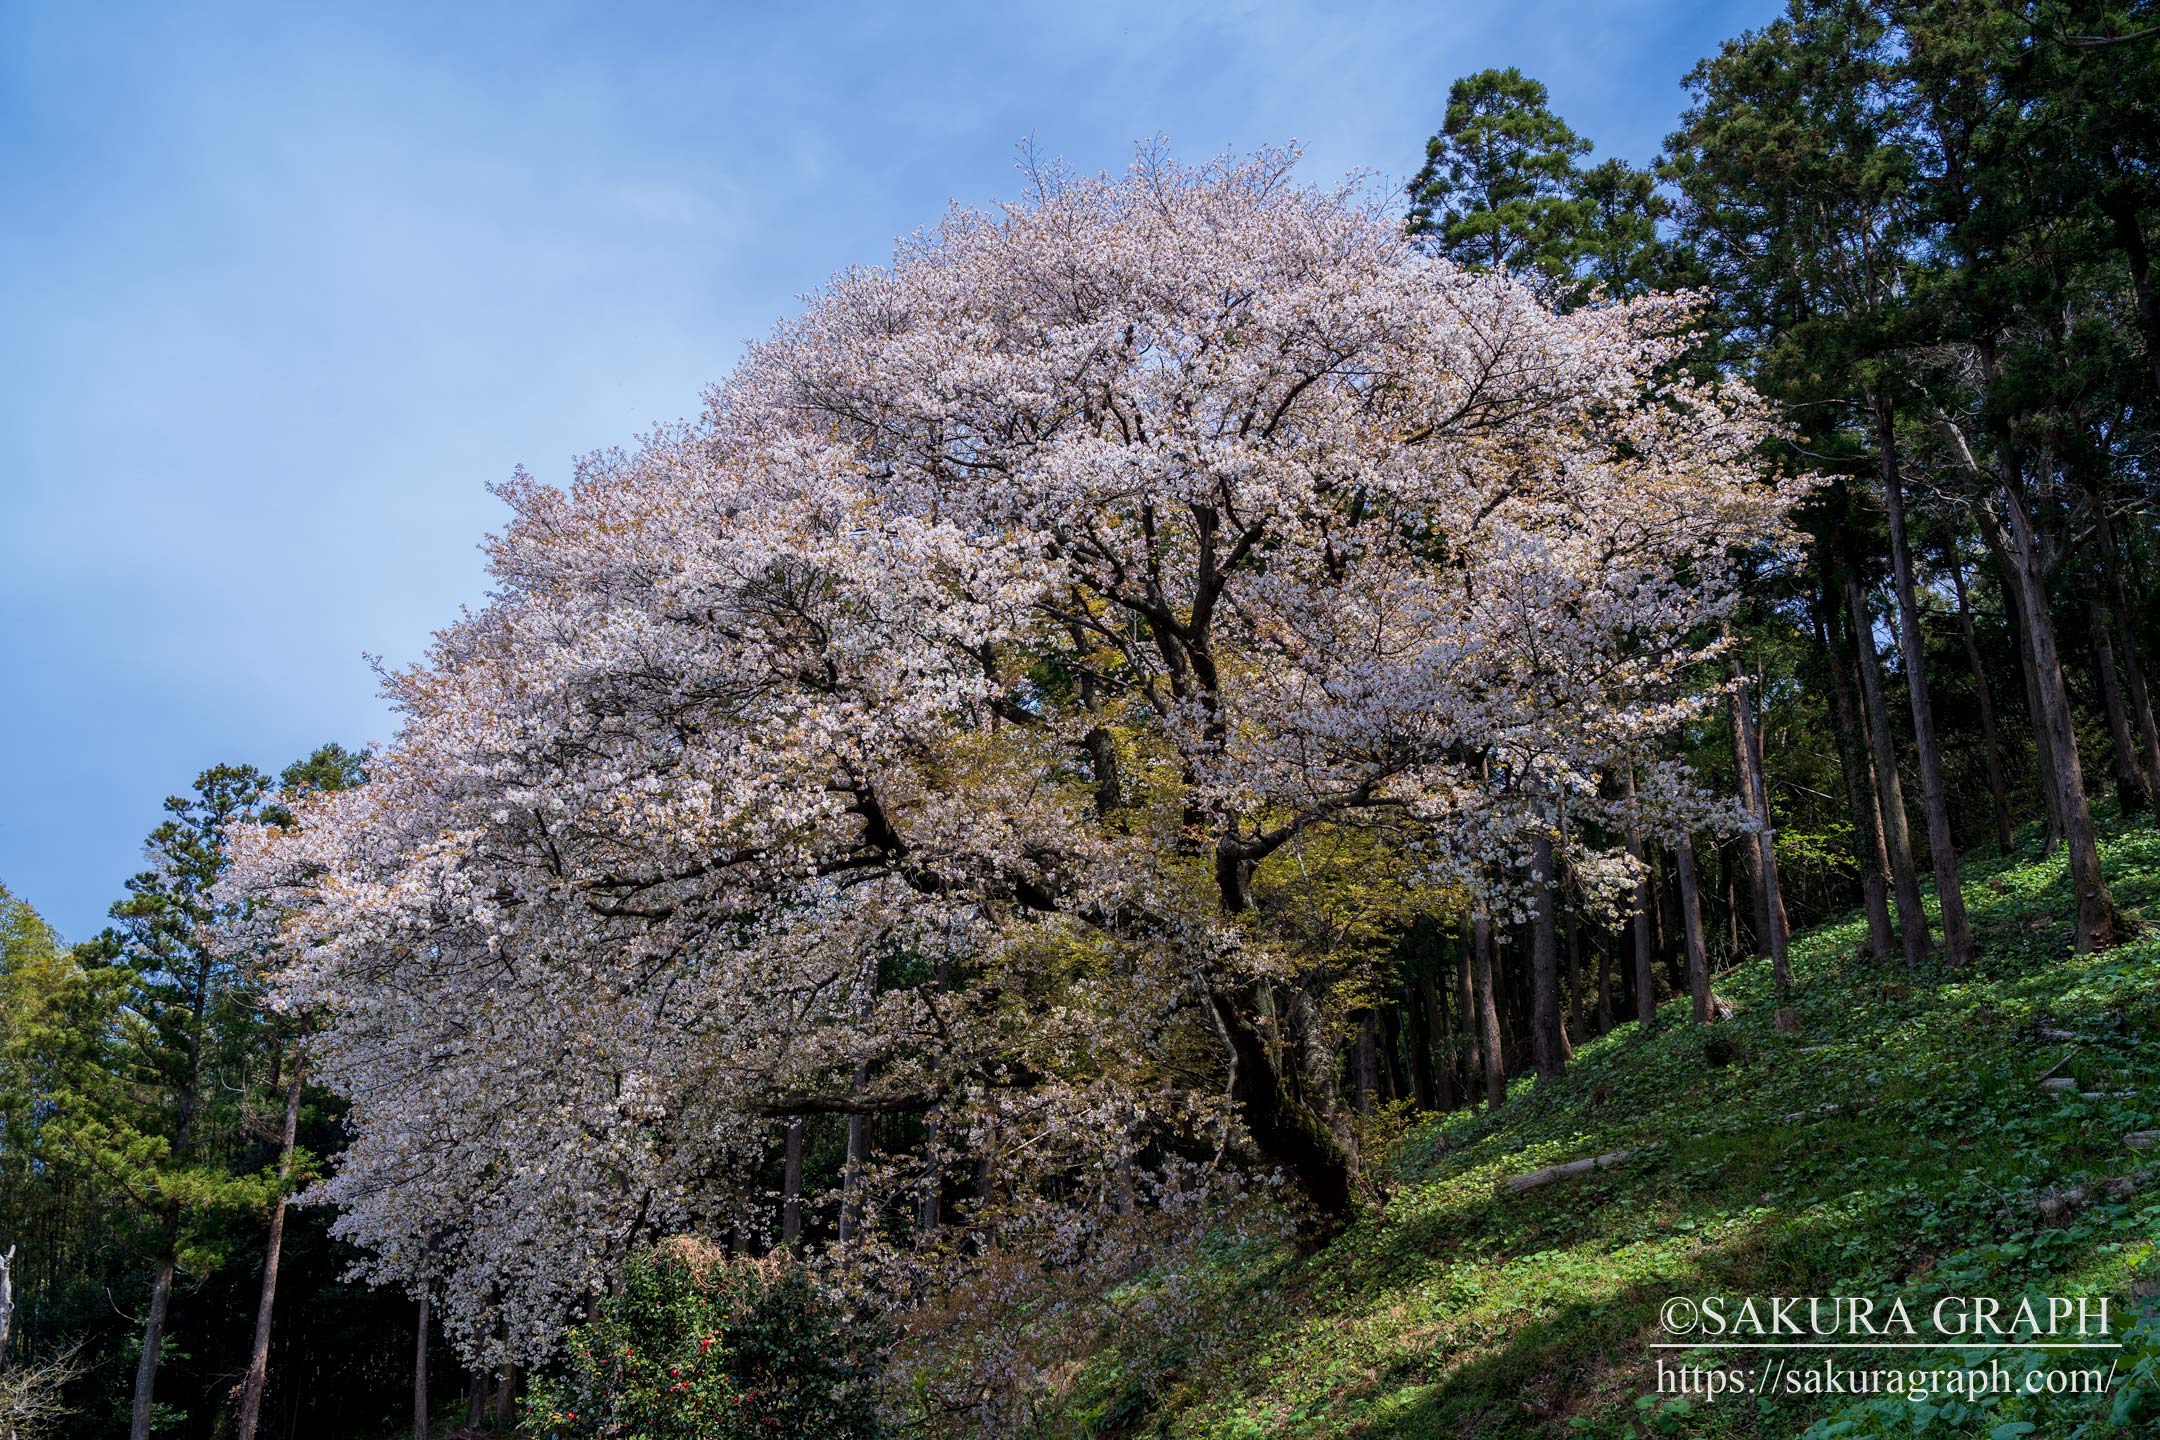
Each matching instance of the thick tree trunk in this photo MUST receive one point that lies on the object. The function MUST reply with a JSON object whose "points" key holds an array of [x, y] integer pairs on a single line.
{"points": [[419, 1377], [1282, 1126], [1765, 837], [1488, 1010], [1546, 1026], [146, 1367], [476, 1400], [1868, 854], [1639, 924], [1698, 959], [2131, 794], [2004, 840], [506, 1396], [1897, 839], [791, 1186], [1912, 644], [258, 1371]]}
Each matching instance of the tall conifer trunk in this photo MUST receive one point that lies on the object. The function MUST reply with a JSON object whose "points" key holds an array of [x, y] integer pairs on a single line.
{"points": [[1897, 839], [1698, 958], [1488, 1008], [2131, 794], [2096, 907], [258, 1371], [1868, 853], [2004, 841], [1763, 839], [1912, 646]]}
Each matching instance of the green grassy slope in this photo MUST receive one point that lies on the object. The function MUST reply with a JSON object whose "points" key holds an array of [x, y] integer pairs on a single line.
{"points": [[1461, 1311]]}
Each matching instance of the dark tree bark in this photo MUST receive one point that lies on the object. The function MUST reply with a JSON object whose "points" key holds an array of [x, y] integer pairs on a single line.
{"points": [[1364, 1063], [1604, 987], [2028, 570], [858, 1150], [2004, 841], [1750, 852], [1473, 1029], [1577, 1016], [2096, 907], [858, 1134], [791, 1186], [1934, 792], [258, 1371], [1868, 854], [161, 1279], [1429, 1032], [1284, 1128], [2013, 592], [2134, 685], [1764, 838], [1546, 1026], [1391, 1062], [1698, 960], [928, 1212], [1639, 925], [1897, 840], [419, 1375], [506, 1395], [1488, 1010], [2131, 794], [2118, 202]]}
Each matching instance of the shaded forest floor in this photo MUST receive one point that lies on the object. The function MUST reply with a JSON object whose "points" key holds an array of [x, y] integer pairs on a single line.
{"points": [[1459, 1311]]}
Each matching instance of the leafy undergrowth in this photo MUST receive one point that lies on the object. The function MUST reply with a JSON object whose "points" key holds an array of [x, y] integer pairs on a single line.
{"points": [[1948, 1171]]}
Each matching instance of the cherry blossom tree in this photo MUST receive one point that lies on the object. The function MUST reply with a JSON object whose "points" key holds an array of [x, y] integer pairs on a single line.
{"points": [[921, 726]]}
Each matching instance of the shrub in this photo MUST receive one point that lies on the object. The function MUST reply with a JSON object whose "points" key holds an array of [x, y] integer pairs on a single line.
{"points": [[695, 1346]]}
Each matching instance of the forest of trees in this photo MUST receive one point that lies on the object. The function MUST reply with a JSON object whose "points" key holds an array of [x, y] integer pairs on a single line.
{"points": [[1100, 718]]}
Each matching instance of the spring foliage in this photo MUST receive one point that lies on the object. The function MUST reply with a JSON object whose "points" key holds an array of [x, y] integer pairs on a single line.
{"points": [[916, 730]]}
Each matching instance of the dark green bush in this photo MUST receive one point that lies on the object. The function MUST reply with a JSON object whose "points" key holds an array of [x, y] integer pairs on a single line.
{"points": [[694, 1346]]}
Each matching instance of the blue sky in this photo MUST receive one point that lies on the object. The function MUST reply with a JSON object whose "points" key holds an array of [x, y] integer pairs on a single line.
{"points": [[283, 288]]}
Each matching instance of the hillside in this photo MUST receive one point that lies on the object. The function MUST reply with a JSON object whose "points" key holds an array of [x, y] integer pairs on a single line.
{"points": [[1947, 1169]]}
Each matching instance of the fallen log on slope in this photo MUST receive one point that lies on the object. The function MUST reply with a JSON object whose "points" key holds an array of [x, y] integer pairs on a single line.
{"points": [[1517, 1184]]}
